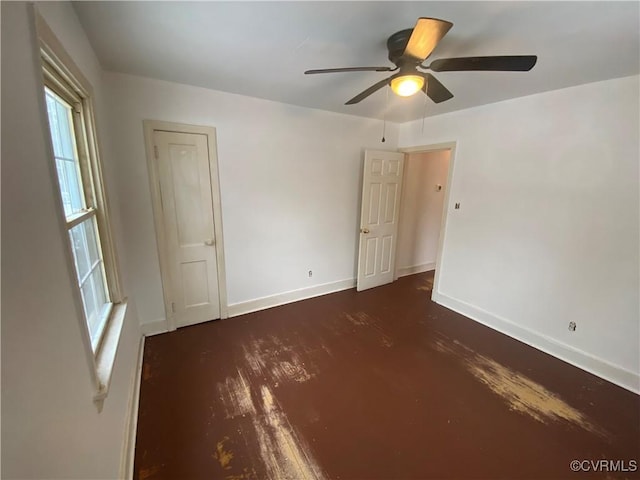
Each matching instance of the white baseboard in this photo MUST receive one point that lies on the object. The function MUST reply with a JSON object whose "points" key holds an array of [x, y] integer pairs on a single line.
{"points": [[288, 297], [585, 361], [128, 454], [425, 267], [154, 327]]}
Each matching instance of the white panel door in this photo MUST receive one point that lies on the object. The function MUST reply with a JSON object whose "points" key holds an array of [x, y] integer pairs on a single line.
{"points": [[382, 184], [186, 198]]}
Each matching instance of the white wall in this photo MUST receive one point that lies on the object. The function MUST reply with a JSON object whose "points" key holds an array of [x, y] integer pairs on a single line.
{"points": [[421, 210], [547, 232], [50, 426], [290, 184]]}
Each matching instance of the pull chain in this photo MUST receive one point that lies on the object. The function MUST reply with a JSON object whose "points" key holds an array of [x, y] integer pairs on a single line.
{"points": [[424, 114], [384, 115]]}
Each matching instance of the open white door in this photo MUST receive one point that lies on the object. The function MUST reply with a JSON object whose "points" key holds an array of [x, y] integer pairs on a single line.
{"points": [[381, 188]]}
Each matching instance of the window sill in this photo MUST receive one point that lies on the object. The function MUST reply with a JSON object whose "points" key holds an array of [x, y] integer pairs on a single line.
{"points": [[106, 356]]}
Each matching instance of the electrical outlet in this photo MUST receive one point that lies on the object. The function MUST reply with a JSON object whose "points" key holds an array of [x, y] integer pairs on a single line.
{"points": [[457, 206], [310, 273], [572, 326]]}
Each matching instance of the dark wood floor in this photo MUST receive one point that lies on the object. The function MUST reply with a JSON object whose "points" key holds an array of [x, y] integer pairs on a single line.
{"points": [[376, 384]]}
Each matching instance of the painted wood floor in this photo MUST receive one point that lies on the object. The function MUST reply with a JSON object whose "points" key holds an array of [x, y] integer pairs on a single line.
{"points": [[370, 385]]}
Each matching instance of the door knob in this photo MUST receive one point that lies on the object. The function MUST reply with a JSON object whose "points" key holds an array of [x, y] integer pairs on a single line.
{"points": [[209, 243], [364, 230]]}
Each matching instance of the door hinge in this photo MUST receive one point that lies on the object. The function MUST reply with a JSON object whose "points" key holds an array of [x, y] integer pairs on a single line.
{"points": [[173, 307], [155, 151]]}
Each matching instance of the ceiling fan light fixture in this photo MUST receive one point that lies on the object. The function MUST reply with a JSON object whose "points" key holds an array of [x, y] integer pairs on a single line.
{"points": [[408, 50], [407, 85]]}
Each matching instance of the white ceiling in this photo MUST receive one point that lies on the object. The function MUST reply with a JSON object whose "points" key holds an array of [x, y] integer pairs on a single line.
{"points": [[261, 49]]}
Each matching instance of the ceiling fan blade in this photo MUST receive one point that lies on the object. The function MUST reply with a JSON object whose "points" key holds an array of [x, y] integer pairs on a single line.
{"points": [[435, 90], [373, 88], [351, 69], [506, 63], [424, 38]]}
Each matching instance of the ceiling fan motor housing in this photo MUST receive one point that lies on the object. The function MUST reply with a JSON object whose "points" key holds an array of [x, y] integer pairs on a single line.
{"points": [[396, 45]]}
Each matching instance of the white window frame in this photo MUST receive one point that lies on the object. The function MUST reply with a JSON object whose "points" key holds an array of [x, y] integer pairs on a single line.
{"points": [[62, 77], [60, 91]]}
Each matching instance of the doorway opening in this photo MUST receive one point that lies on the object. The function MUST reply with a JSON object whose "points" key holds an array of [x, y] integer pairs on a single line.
{"points": [[423, 209]]}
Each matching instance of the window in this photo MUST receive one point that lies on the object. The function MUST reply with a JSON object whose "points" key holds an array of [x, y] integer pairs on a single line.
{"points": [[77, 171], [67, 135]]}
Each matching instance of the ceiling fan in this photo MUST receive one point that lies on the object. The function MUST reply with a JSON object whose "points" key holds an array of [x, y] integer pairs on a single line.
{"points": [[409, 48]]}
